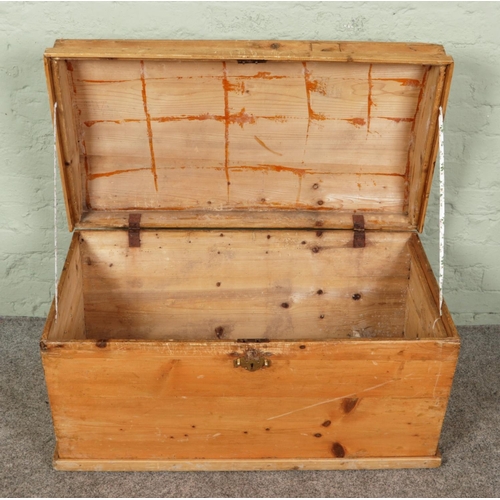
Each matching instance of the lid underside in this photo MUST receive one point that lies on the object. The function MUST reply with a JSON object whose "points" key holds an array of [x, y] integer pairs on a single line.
{"points": [[319, 140]]}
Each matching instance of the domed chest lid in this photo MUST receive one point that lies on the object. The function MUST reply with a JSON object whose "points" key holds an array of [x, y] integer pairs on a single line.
{"points": [[247, 133]]}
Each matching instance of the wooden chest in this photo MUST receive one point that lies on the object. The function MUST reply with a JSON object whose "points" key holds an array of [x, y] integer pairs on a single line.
{"points": [[245, 287]]}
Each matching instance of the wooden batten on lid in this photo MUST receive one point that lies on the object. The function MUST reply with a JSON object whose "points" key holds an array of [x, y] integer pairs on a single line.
{"points": [[247, 134]]}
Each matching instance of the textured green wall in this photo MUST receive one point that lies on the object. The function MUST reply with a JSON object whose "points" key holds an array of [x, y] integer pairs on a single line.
{"points": [[469, 31]]}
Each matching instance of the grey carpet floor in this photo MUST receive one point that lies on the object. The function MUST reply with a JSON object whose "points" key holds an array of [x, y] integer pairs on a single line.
{"points": [[470, 441]]}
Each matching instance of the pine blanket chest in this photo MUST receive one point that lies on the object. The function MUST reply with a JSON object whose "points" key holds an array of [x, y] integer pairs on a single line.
{"points": [[245, 287]]}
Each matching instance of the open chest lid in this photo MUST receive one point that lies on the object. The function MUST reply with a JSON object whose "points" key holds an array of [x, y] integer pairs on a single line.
{"points": [[247, 133]]}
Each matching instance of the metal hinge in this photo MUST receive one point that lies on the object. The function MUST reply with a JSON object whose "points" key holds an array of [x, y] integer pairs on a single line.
{"points": [[359, 231], [134, 230]]}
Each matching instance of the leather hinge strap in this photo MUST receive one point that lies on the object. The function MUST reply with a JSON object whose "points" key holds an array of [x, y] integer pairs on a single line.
{"points": [[134, 230], [359, 231]]}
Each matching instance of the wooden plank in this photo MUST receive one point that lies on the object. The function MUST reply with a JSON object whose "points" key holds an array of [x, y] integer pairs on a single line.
{"points": [[367, 52], [193, 377], [244, 284], [222, 431], [276, 218], [70, 324], [424, 270], [69, 127], [413, 325], [244, 465], [434, 150], [425, 139], [54, 90], [252, 314], [199, 406], [425, 309], [345, 349]]}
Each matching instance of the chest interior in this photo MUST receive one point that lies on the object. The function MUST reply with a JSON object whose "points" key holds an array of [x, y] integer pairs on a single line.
{"points": [[239, 285], [246, 174]]}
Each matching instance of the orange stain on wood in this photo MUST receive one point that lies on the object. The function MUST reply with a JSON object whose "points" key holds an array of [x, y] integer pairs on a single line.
{"points": [[275, 118], [91, 177], [149, 129], [241, 118], [311, 86], [370, 100], [357, 122], [236, 87], [263, 167], [263, 75], [202, 117], [225, 86], [406, 82], [266, 147], [385, 174], [105, 81], [90, 123], [397, 120]]}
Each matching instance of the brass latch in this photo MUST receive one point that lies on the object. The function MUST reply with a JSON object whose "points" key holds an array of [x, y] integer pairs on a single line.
{"points": [[252, 360]]}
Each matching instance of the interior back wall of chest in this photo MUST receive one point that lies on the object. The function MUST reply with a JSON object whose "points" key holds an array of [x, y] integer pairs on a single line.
{"points": [[230, 284]]}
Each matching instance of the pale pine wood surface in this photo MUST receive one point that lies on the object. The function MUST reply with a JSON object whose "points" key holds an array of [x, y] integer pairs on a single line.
{"points": [[243, 465], [215, 136], [224, 135], [424, 133], [247, 284], [366, 52], [434, 148], [430, 287], [244, 284], [70, 324], [176, 401], [274, 218]]}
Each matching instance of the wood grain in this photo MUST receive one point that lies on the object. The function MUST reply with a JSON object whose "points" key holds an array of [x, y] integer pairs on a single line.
{"points": [[198, 406], [365, 52], [311, 134], [70, 324], [67, 152], [285, 129], [425, 138], [434, 149], [275, 218], [421, 265], [244, 284], [242, 465]]}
